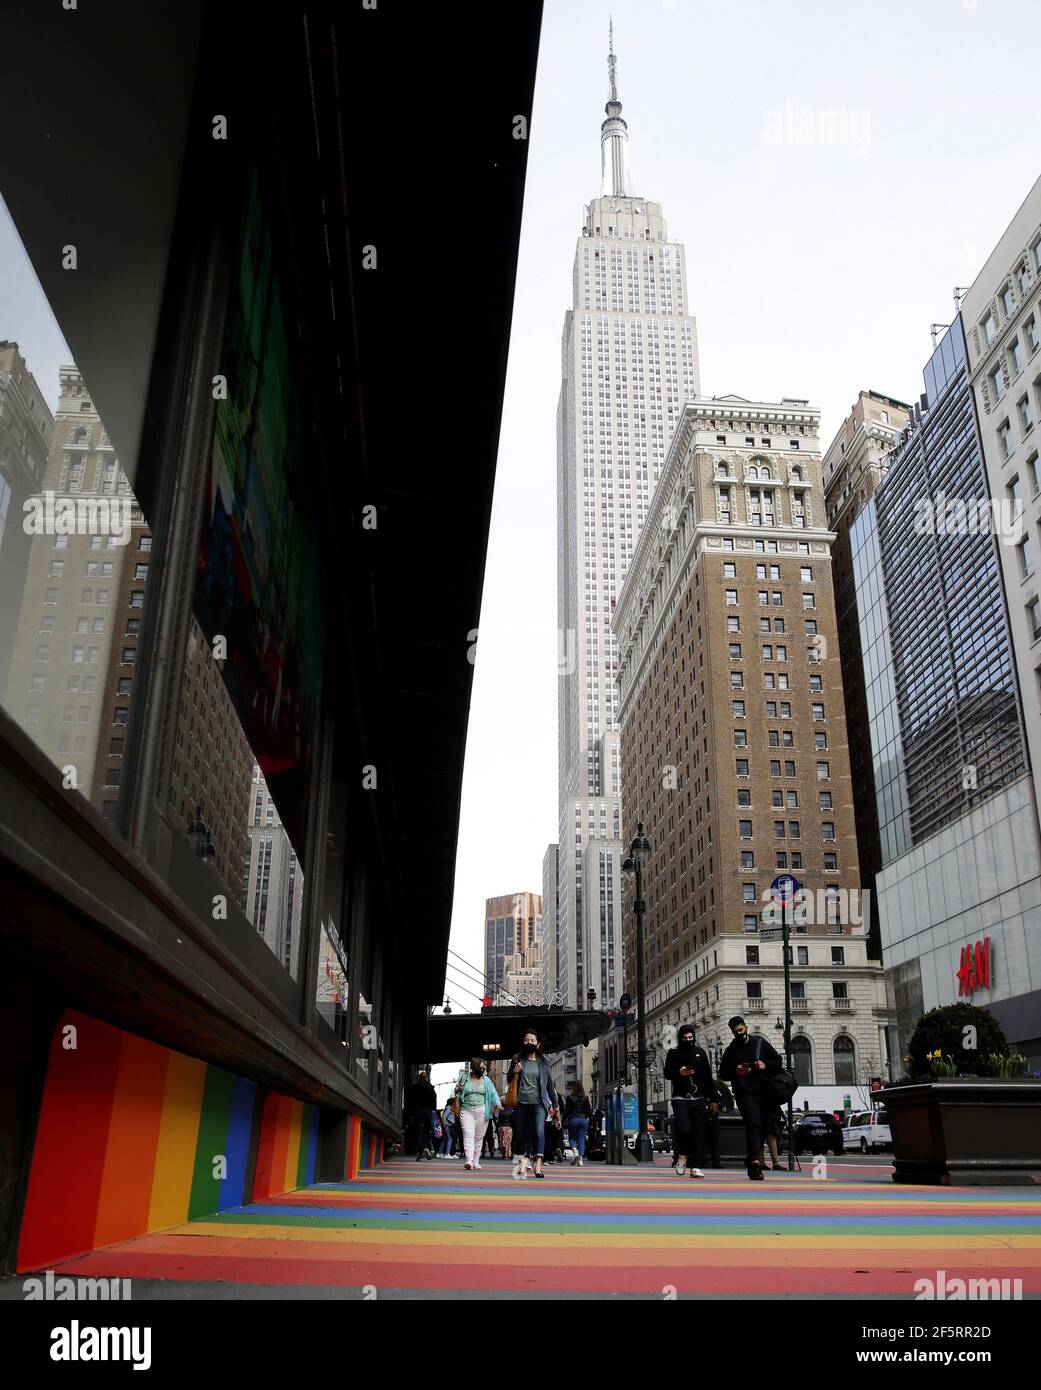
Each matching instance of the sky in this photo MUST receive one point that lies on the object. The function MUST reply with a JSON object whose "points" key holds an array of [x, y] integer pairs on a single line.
{"points": [[814, 270]]}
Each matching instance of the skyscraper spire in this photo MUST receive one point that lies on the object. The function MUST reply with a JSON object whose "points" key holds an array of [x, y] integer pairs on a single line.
{"points": [[616, 180]]}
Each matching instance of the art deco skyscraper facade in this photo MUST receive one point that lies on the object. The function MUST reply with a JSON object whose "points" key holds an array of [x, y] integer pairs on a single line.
{"points": [[629, 361]]}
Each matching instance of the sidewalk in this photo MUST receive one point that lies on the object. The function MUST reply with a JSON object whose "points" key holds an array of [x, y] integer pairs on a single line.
{"points": [[409, 1229]]}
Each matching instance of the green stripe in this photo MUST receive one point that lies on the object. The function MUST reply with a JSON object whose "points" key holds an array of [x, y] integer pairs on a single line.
{"points": [[212, 1142]]}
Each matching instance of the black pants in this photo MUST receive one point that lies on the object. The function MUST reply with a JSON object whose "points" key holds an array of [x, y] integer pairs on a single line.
{"points": [[756, 1111], [690, 1132], [424, 1136], [713, 1140]]}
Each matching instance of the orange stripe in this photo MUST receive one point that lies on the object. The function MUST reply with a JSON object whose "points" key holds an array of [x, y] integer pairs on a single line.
{"points": [[178, 1138], [133, 1141]]}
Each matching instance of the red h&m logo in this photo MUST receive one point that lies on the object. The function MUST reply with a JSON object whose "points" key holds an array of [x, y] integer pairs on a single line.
{"points": [[974, 971]]}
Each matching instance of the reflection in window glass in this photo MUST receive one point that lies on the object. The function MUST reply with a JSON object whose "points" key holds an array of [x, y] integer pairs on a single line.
{"points": [[331, 987]]}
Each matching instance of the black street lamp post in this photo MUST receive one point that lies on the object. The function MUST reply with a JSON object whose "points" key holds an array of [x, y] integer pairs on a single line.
{"points": [[638, 852]]}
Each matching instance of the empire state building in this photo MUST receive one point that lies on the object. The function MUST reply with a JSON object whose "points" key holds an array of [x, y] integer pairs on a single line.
{"points": [[630, 361]]}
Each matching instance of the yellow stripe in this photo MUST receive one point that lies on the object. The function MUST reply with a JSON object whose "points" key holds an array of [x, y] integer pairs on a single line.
{"points": [[975, 1241], [178, 1137], [293, 1150]]}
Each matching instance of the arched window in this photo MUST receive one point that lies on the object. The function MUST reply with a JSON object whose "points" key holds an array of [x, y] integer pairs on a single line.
{"points": [[765, 471], [80, 436], [845, 1060], [723, 470], [796, 475], [802, 1061], [753, 472]]}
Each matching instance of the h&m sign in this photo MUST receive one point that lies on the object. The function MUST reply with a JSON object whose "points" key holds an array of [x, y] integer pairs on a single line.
{"points": [[974, 971]]}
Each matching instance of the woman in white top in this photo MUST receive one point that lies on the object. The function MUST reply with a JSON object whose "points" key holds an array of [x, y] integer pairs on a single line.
{"points": [[478, 1102]]}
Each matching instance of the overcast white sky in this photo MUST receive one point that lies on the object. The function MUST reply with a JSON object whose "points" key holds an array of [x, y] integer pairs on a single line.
{"points": [[814, 271]]}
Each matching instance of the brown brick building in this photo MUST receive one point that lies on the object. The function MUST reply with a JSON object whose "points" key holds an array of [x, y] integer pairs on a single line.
{"points": [[734, 747]]}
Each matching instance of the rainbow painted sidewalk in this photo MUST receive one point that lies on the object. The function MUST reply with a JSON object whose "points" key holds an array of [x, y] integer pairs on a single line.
{"points": [[434, 1227]]}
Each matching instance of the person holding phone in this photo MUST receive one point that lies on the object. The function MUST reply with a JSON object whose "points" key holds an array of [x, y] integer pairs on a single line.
{"points": [[694, 1101], [749, 1063], [536, 1098]]}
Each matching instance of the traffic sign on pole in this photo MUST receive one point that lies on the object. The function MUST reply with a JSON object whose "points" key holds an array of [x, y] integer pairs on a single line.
{"points": [[784, 888]]}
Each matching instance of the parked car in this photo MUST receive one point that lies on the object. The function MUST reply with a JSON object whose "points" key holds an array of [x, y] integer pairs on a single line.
{"points": [[817, 1132], [867, 1131]]}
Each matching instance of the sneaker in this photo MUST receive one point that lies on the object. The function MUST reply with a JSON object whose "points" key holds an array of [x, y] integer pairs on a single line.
{"points": [[681, 1166], [696, 1173], [477, 1168], [467, 1164], [755, 1173], [581, 1161]]}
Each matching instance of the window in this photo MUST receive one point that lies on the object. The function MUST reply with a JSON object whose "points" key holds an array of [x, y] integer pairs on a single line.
{"points": [[140, 571], [1026, 415], [768, 652], [824, 801], [729, 570], [137, 598], [56, 569], [1026, 558], [794, 830], [127, 657], [806, 574], [827, 830], [997, 384], [838, 955], [803, 957], [771, 709], [740, 738], [133, 627], [778, 829], [748, 892], [738, 708], [112, 777], [764, 624], [747, 859], [1007, 302], [1034, 617], [817, 711], [115, 747], [1015, 357], [733, 624], [760, 571], [778, 599], [742, 767], [775, 766], [124, 685], [145, 544], [731, 596], [744, 796], [782, 860], [737, 680], [786, 710], [768, 680], [734, 651], [1008, 444], [789, 768], [820, 742], [119, 716], [751, 955], [1033, 473], [763, 598], [808, 601], [823, 772], [831, 861], [1033, 338], [989, 329], [754, 989]]}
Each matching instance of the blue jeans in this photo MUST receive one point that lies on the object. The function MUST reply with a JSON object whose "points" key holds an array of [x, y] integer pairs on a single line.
{"points": [[529, 1130], [577, 1129], [446, 1139]]}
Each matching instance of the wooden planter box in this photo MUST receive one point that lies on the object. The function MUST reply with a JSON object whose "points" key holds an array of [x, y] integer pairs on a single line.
{"points": [[966, 1131]]}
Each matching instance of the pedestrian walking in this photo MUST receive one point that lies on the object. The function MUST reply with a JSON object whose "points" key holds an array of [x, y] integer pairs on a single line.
{"points": [[536, 1100], [748, 1064], [506, 1133], [577, 1115], [478, 1103], [449, 1129], [695, 1102], [421, 1101]]}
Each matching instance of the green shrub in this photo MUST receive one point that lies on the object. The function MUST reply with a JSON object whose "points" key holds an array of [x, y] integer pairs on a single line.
{"points": [[943, 1030]]}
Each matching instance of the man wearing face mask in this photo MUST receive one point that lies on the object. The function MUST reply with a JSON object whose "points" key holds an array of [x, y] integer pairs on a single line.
{"points": [[694, 1101], [749, 1064], [536, 1098]]}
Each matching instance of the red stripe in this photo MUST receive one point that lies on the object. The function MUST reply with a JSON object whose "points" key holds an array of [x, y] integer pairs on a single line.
{"points": [[609, 1278], [68, 1159]]}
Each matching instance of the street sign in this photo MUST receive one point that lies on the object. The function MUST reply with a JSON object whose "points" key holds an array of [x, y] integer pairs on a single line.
{"points": [[771, 933], [625, 1003], [784, 888]]}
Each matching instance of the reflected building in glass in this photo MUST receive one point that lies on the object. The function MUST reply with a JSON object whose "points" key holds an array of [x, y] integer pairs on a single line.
{"points": [[953, 799]]}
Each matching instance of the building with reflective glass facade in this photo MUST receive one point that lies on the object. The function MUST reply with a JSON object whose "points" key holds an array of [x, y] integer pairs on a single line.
{"points": [[956, 814]]}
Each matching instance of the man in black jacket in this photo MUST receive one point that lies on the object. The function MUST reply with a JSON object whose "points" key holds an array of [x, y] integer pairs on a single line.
{"points": [[695, 1099], [421, 1102], [748, 1064]]}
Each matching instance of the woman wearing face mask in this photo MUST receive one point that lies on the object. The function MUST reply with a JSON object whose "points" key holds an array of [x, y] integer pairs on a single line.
{"points": [[478, 1102], [536, 1098]]}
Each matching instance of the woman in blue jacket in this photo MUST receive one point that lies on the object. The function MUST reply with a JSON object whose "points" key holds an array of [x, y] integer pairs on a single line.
{"points": [[478, 1102], [536, 1098]]}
